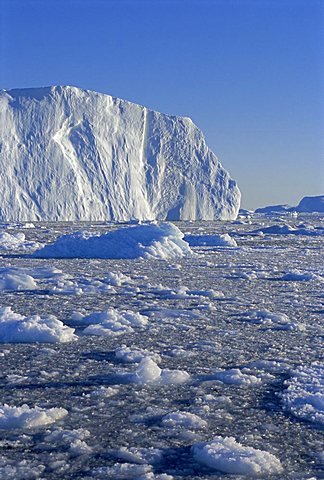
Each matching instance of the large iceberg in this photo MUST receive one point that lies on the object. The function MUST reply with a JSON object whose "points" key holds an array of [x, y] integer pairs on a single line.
{"points": [[73, 154]]}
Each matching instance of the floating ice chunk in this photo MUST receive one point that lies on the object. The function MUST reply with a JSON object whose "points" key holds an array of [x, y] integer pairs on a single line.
{"points": [[278, 321], [112, 322], [13, 469], [66, 286], [134, 355], [234, 376], [164, 241], [16, 281], [26, 417], [304, 396], [117, 279], [297, 276], [140, 456], [287, 230], [123, 471], [73, 438], [229, 456], [16, 328], [16, 241], [224, 240], [183, 419], [149, 372]]}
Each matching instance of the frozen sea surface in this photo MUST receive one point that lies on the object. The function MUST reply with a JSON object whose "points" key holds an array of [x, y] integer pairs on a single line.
{"points": [[198, 367]]}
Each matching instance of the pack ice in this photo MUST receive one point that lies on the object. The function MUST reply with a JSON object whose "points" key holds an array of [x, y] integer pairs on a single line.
{"points": [[73, 154]]}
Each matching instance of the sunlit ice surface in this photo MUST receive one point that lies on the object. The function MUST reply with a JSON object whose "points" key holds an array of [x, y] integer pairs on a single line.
{"points": [[189, 367]]}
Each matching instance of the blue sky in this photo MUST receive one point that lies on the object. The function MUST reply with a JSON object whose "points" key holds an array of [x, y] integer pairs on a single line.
{"points": [[248, 72]]}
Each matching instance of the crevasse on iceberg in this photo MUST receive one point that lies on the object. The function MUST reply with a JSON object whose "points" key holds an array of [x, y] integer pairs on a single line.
{"points": [[73, 154]]}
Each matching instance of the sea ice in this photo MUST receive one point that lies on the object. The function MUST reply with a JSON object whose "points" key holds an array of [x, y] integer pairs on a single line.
{"points": [[183, 419], [27, 417], [15, 280], [16, 241], [149, 372], [111, 322], [304, 396], [229, 456], [16, 328], [223, 240], [164, 241], [234, 376]]}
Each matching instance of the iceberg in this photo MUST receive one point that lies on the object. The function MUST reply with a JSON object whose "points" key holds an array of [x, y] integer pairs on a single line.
{"points": [[72, 154]]}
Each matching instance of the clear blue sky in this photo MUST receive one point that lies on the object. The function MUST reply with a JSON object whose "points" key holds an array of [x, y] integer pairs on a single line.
{"points": [[248, 72]]}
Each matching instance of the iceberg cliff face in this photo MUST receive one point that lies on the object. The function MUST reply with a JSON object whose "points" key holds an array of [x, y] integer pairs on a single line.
{"points": [[72, 154]]}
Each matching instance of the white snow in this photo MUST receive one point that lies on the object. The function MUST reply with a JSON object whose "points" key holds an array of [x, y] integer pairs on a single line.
{"points": [[29, 417], [16, 328], [95, 157], [304, 396], [164, 241], [229, 456]]}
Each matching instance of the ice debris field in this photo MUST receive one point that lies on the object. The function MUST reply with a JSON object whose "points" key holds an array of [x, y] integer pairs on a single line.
{"points": [[162, 350]]}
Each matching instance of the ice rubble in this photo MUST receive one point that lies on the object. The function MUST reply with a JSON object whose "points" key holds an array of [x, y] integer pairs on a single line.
{"points": [[223, 240], [16, 328], [164, 241], [119, 160], [74, 439], [229, 456], [27, 417], [234, 376], [304, 396]]}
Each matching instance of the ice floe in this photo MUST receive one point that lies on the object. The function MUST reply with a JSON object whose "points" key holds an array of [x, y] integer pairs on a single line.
{"points": [[229, 456], [223, 240], [110, 322], [14, 280], [234, 376], [304, 396], [16, 328], [149, 372], [183, 419], [164, 241], [74, 439], [16, 241], [29, 417], [265, 318], [288, 230]]}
